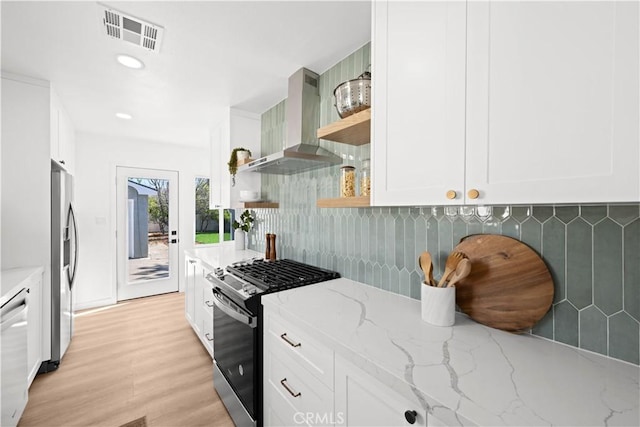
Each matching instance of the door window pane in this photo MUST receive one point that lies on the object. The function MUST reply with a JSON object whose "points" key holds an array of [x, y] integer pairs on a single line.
{"points": [[147, 229]]}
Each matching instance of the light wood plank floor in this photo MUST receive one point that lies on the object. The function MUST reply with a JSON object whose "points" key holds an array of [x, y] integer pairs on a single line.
{"points": [[137, 358]]}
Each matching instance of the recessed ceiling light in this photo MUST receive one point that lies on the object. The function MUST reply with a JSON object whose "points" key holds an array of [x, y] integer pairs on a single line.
{"points": [[124, 116], [130, 62]]}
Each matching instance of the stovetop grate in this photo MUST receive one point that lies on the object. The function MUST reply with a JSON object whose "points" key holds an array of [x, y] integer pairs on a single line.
{"points": [[272, 276]]}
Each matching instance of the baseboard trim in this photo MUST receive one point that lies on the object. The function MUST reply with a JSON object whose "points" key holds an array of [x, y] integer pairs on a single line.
{"points": [[94, 304]]}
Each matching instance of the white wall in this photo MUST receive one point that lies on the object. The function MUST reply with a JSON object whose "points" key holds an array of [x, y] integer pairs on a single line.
{"points": [[97, 157]]}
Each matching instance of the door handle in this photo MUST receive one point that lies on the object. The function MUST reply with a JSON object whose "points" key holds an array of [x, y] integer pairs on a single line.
{"points": [[72, 216], [231, 312], [291, 343], [288, 388]]}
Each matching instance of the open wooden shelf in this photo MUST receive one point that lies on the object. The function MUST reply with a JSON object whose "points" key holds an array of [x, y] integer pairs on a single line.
{"points": [[260, 205], [353, 130], [244, 161], [345, 202]]}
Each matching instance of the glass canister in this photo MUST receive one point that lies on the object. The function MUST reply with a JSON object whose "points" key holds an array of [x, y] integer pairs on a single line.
{"points": [[348, 181], [365, 178]]}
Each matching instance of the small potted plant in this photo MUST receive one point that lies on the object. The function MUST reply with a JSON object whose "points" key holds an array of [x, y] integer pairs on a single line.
{"points": [[241, 228], [237, 153]]}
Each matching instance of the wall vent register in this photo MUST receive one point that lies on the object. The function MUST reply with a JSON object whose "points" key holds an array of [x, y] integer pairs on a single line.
{"points": [[119, 25]]}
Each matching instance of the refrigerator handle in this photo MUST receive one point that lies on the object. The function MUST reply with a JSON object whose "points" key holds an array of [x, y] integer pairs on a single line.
{"points": [[72, 275]]}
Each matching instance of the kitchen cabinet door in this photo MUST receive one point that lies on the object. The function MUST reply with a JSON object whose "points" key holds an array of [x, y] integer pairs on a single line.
{"points": [[220, 182], [418, 113], [198, 302], [34, 326], [207, 309], [292, 394], [237, 129], [552, 102], [207, 333], [361, 400], [204, 313], [62, 134], [191, 266], [298, 375], [198, 311]]}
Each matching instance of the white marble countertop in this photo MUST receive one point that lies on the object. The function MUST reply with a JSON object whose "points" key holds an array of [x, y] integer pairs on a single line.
{"points": [[12, 281], [467, 374], [221, 255]]}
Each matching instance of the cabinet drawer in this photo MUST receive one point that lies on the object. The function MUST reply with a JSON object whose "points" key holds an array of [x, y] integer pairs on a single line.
{"points": [[207, 332], [207, 300], [313, 356], [292, 395]]}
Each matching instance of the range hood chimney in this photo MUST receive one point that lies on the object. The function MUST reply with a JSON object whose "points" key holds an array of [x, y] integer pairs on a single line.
{"points": [[301, 152]]}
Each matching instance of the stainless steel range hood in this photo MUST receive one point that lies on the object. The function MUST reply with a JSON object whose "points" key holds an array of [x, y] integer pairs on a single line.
{"points": [[302, 152]]}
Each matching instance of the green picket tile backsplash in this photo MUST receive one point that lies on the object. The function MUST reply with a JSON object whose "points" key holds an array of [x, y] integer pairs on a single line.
{"points": [[592, 251]]}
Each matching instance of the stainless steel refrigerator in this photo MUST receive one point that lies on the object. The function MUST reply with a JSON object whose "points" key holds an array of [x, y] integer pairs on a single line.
{"points": [[64, 263]]}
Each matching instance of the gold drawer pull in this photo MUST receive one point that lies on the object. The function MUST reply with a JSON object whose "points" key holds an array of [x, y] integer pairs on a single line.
{"points": [[291, 392], [451, 194], [291, 343]]}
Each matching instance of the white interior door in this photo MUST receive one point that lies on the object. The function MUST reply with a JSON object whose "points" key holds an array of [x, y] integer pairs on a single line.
{"points": [[147, 232]]}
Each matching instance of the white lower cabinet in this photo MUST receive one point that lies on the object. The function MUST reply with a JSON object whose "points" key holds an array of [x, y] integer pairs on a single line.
{"points": [[190, 266], [361, 400], [306, 383], [205, 310], [198, 301], [291, 340], [292, 395], [298, 376], [34, 326]]}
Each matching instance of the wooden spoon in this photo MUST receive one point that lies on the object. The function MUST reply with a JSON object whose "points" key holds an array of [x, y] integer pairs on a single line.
{"points": [[462, 270], [425, 263], [451, 264]]}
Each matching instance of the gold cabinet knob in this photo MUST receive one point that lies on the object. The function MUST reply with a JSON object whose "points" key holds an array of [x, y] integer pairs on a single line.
{"points": [[451, 194], [473, 193]]}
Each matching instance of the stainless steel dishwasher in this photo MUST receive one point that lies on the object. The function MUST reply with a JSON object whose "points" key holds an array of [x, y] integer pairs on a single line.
{"points": [[13, 329]]}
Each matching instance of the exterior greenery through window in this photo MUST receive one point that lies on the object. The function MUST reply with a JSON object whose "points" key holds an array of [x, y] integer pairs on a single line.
{"points": [[208, 224], [158, 203]]}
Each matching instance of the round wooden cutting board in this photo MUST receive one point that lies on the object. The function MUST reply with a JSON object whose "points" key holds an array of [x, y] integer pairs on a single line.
{"points": [[509, 286]]}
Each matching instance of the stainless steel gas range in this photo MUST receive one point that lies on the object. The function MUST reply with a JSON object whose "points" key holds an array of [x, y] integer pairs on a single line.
{"points": [[237, 328]]}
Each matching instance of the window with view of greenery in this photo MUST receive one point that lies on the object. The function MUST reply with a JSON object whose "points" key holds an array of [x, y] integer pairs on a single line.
{"points": [[208, 225]]}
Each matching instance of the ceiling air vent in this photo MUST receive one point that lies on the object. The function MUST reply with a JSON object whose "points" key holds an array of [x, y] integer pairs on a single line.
{"points": [[125, 27]]}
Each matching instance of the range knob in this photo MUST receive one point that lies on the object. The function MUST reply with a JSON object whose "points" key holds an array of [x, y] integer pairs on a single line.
{"points": [[219, 273]]}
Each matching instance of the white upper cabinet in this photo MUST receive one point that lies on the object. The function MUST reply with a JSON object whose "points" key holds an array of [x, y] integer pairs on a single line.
{"points": [[519, 102], [63, 136], [220, 182], [419, 102], [237, 129], [552, 102]]}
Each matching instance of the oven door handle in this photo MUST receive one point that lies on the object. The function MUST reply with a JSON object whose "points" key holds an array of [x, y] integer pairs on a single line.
{"points": [[229, 310]]}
